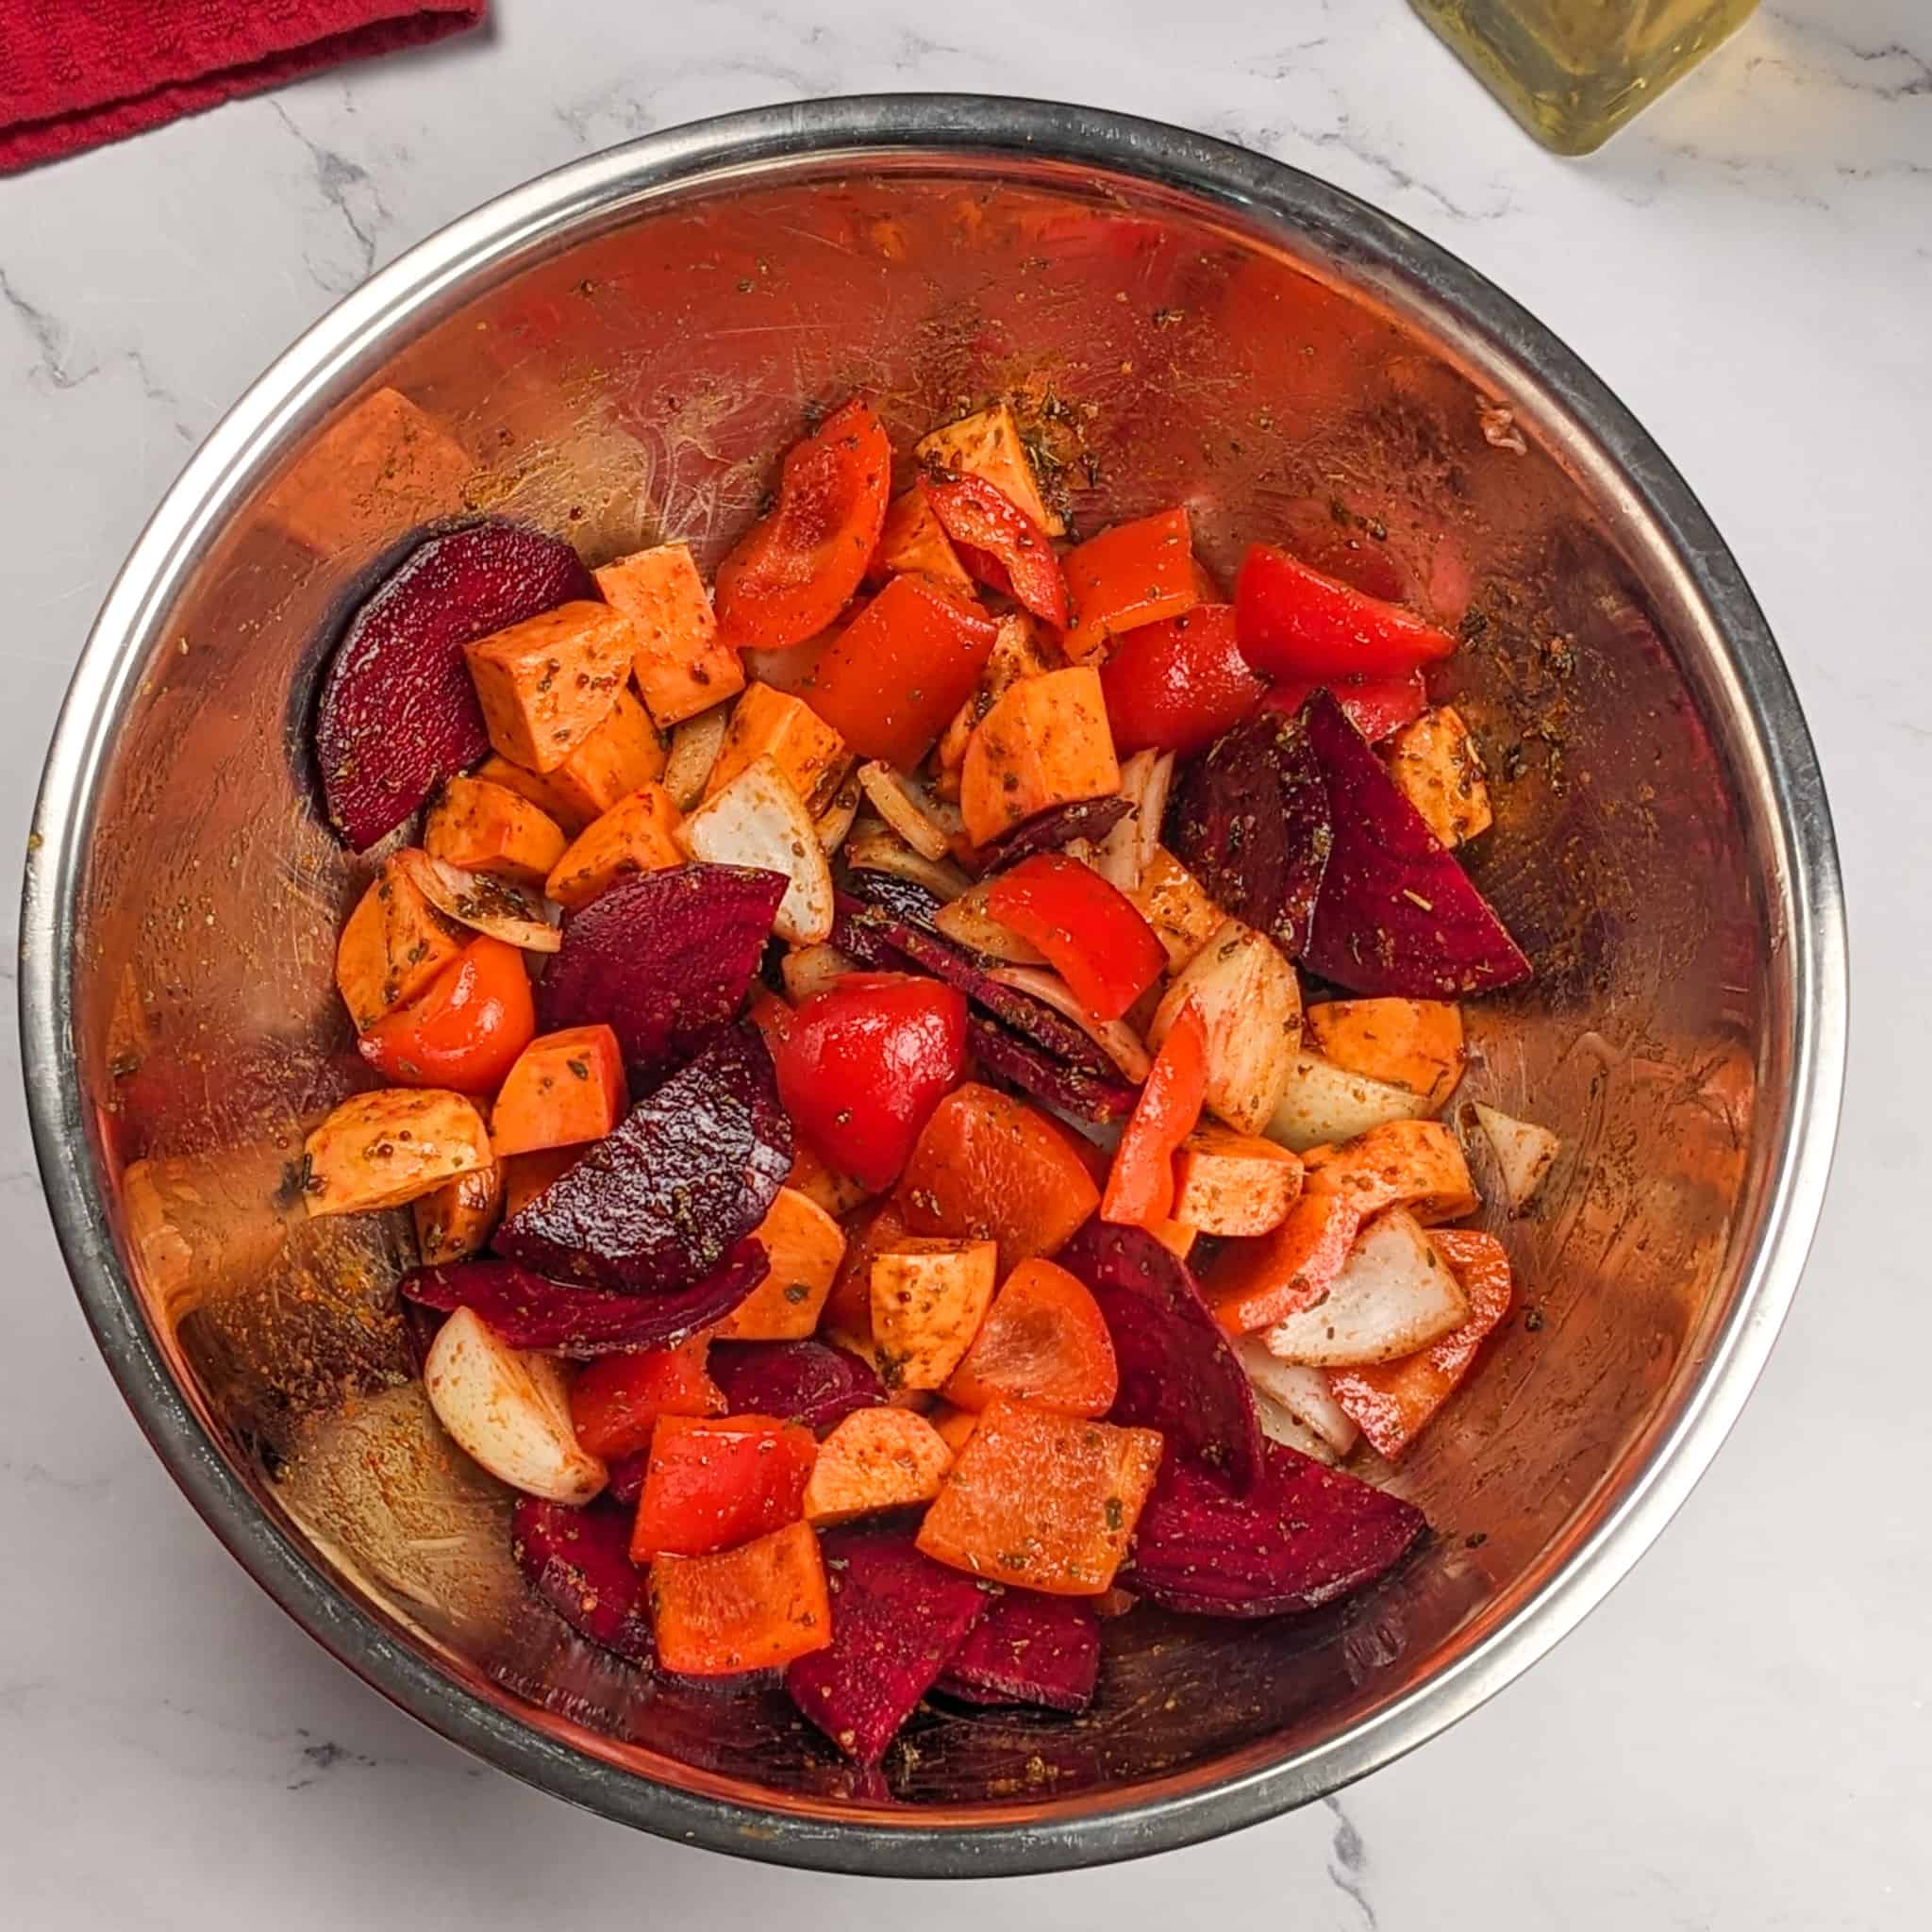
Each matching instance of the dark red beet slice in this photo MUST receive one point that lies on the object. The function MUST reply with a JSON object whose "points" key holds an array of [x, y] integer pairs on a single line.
{"points": [[903, 898], [1249, 817], [864, 930], [627, 1474], [687, 1175], [1397, 913], [809, 1382], [1028, 1649], [1085, 1095], [1178, 1375], [897, 1617], [1302, 1536], [527, 1311], [579, 1561], [420, 1324], [664, 960], [398, 713], [1092, 818]]}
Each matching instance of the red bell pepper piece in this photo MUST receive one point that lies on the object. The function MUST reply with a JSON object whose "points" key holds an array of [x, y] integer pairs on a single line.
{"points": [[1375, 705], [714, 1484], [1295, 623], [466, 1031], [998, 542], [1134, 573], [1139, 1188], [615, 1402], [1092, 933], [890, 681], [862, 1065], [795, 570], [1178, 685]]}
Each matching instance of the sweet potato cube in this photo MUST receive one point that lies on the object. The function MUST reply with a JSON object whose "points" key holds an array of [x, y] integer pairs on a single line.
{"points": [[928, 1298], [680, 666], [954, 1424], [385, 1148], [526, 1175], [1044, 743], [486, 828], [773, 724], [751, 1608], [1018, 651], [395, 942], [458, 1219], [545, 684], [914, 539], [1435, 764], [1412, 1043], [1173, 900], [1227, 1183], [1414, 1164], [875, 1459], [837, 1193], [987, 445], [804, 1246], [635, 835], [614, 758], [1255, 1284], [534, 788], [1042, 1500], [564, 1088], [1177, 1237]]}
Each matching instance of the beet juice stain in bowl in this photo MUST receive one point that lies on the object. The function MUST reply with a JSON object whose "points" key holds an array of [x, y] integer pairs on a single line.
{"points": [[954, 972]]}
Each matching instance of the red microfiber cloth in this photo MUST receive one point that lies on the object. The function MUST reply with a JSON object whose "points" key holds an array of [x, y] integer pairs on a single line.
{"points": [[76, 73]]}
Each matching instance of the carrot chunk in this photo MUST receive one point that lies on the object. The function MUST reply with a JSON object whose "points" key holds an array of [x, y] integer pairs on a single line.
{"points": [[637, 834], [1043, 1341], [804, 1246], [1045, 741], [486, 828], [545, 684], [680, 666], [751, 1608], [565, 1087], [875, 1459]]}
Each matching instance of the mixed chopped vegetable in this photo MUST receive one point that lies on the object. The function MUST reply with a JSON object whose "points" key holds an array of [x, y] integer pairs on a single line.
{"points": [[919, 1069]]}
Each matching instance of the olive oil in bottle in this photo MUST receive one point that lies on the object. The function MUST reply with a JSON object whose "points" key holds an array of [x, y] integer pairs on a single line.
{"points": [[1573, 70]]}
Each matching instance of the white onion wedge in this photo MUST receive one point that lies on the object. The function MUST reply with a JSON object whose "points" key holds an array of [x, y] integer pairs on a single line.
{"points": [[808, 970], [1116, 1040], [1279, 1426], [509, 1411], [695, 748], [1524, 1153], [966, 921], [874, 847], [1322, 1105], [1394, 1296], [759, 819], [485, 902], [836, 821], [1301, 1393], [1250, 1002], [903, 810], [1124, 856]]}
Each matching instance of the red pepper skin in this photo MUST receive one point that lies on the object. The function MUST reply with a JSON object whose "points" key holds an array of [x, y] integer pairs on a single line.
{"points": [[714, 1484], [1140, 1186], [1178, 685], [1295, 623], [1092, 933], [1375, 705], [999, 543]]}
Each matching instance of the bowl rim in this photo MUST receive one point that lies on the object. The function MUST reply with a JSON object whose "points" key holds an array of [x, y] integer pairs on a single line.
{"points": [[1805, 887]]}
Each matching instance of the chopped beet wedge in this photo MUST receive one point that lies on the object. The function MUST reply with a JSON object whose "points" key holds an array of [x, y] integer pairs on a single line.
{"points": [[864, 930], [1085, 1095], [664, 960], [1028, 1649], [398, 713], [809, 1382], [658, 1202], [1090, 818], [579, 1561], [1396, 914], [1249, 817], [626, 1482], [897, 1618], [1303, 1536], [904, 899], [1178, 1373], [527, 1311]]}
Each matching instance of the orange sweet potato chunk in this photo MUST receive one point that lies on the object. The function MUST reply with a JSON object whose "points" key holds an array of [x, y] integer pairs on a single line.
{"points": [[1045, 741], [545, 684], [1042, 1500], [564, 1088], [1414, 1164], [875, 1459], [766, 723], [385, 1148], [680, 666], [914, 541], [526, 1175], [395, 942], [635, 835], [458, 1219], [614, 758], [928, 1298], [1412, 1043], [751, 1608], [536, 788], [804, 1246], [486, 828]]}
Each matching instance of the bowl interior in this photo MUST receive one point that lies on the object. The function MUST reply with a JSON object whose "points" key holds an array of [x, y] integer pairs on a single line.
{"points": [[628, 380]]}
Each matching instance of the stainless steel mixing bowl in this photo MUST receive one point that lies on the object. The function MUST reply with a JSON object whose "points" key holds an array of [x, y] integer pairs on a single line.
{"points": [[613, 352]]}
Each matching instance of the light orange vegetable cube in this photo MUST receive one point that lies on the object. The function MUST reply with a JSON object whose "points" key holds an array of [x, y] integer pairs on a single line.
{"points": [[1412, 1043], [547, 683], [618, 757], [526, 1175], [954, 1424], [875, 1459], [929, 1297], [766, 723], [394, 943], [534, 788], [1173, 900], [914, 539], [1044, 743], [1018, 651], [987, 445], [1228, 1183], [486, 828], [634, 836], [681, 667], [1413, 1164], [1436, 764], [804, 1246], [1177, 1237], [563, 1088], [385, 1148], [1045, 1501], [752, 1608], [837, 1193], [458, 1218]]}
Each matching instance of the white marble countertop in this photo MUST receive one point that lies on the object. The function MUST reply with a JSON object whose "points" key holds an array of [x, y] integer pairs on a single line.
{"points": [[1739, 1738]]}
